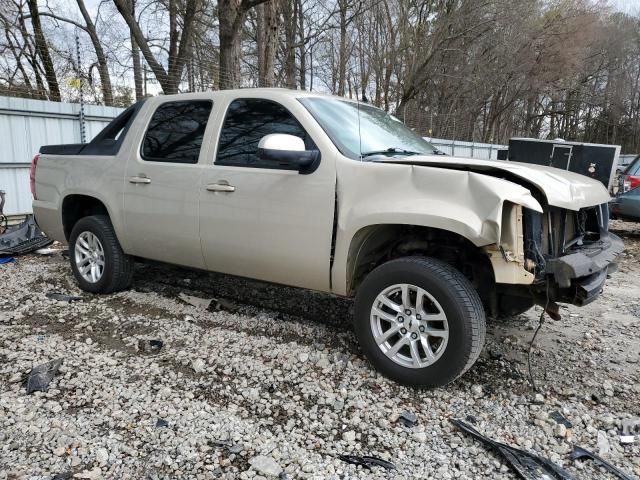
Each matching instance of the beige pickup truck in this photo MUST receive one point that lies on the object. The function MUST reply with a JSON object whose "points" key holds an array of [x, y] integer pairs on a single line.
{"points": [[324, 193]]}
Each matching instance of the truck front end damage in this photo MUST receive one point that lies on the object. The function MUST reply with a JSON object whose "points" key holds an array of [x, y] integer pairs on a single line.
{"points": [[572, 250], [557, 256]]}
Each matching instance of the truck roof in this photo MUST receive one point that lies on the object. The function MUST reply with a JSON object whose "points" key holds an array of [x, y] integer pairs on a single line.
{"points": [[248, 92]]}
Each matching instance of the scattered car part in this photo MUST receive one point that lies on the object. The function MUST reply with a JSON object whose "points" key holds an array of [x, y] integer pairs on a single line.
{"points": [[62, 476], [472, 419], [47, 251], [367, 461], [561, 419], [580, 453], [40, 376], [630, 427], [200, 303], [525, 464], [408, 419], [146, 345], [161, 423], [7, 260], [62, 297], [3, 219], [205, 303], [23, 238]]}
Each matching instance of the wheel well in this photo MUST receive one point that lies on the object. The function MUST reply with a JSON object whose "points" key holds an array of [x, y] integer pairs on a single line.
{"points": [[75, 207], [377, 244]]}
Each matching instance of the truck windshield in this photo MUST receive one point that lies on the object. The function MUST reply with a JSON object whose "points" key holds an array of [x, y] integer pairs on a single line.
{"points": [[375, 134]]}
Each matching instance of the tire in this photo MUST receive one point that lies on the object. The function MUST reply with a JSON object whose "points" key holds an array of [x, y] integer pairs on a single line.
{"points": [[446, 291], [117, 267]]}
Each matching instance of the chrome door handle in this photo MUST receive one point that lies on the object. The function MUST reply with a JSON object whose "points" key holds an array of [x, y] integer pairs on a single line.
{"points": [[139, 179], [221, 187]]}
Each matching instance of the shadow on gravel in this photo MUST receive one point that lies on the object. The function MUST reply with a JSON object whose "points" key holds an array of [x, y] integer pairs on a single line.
{"points": [[317, 307]]}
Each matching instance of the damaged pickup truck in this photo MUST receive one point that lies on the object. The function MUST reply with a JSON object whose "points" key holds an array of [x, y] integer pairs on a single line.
{"points": [[327, 194]]}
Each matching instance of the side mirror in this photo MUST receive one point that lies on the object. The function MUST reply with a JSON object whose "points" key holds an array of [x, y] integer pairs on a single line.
{"points": [[287, 152]]}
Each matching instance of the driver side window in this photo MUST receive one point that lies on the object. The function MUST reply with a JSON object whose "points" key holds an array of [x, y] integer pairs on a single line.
{"points": [[246, 122]]}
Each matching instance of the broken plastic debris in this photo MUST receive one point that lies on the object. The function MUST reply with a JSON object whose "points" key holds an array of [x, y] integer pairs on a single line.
{"points": [[47, 251], [161, 423], [23, 238], [561, 419], [7, 260], [579, 453], [367, 461], [62, 476], [235, 448], [40, 376], [62, 297], [630, 427], [149, 345], [408, 419], [200, 303], [527, 465], [205, 303]]}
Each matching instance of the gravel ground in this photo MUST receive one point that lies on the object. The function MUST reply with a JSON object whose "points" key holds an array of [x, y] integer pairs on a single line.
{"points": [[270, 380]]}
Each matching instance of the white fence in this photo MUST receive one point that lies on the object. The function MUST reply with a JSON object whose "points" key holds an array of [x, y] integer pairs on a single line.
{"points": [[456, 148], [26, 125]]}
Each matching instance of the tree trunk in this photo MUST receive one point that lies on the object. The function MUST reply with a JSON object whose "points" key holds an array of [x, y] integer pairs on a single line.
{"points": [[301, 48], [135, 58], [103, 68], [342, 55], [231, 18], [43, 52], [290, 28], [268, 20]]}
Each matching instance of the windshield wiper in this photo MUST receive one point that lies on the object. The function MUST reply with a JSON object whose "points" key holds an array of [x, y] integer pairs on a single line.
{"points": [[388, 151]]}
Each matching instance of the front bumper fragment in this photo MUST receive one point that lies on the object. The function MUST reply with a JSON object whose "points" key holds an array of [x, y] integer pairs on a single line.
{"points": [[580, 275]]}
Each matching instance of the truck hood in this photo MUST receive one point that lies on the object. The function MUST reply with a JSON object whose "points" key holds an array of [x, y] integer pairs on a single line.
{"points": [[561, 188]]}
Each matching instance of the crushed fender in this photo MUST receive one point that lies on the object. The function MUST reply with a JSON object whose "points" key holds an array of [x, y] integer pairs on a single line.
{"points": [[23, 238], [367, 462], [40, 376], [525, 464], [580, 453]]}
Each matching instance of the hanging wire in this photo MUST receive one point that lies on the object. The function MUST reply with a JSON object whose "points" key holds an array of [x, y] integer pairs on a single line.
{"points": [[533, 339]]}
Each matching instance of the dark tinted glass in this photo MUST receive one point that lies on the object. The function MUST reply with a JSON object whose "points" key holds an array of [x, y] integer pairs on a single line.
{"points": [[247, 121], [175, 132], [634, 167]]}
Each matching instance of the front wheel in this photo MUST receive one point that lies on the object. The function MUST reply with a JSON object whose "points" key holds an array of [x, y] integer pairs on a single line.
{"points": [[419, 321]]}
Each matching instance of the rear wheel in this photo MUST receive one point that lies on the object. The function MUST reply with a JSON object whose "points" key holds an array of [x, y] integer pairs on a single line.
{"points": [[97, 260], [419, 321]]}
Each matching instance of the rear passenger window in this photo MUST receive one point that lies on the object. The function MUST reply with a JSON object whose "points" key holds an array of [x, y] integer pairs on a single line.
{"points": [[176, 131], [634, 167], [246, 122]]}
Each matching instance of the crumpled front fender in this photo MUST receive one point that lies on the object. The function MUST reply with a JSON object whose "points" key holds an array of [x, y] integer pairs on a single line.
{"points": [[466, 203]]}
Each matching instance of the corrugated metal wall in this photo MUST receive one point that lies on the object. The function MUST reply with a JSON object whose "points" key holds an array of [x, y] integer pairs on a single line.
{"points": [[26, 125]]}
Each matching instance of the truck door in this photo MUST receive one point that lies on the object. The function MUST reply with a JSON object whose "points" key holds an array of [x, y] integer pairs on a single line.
{"points": [[161, 185], [260, 222]]}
